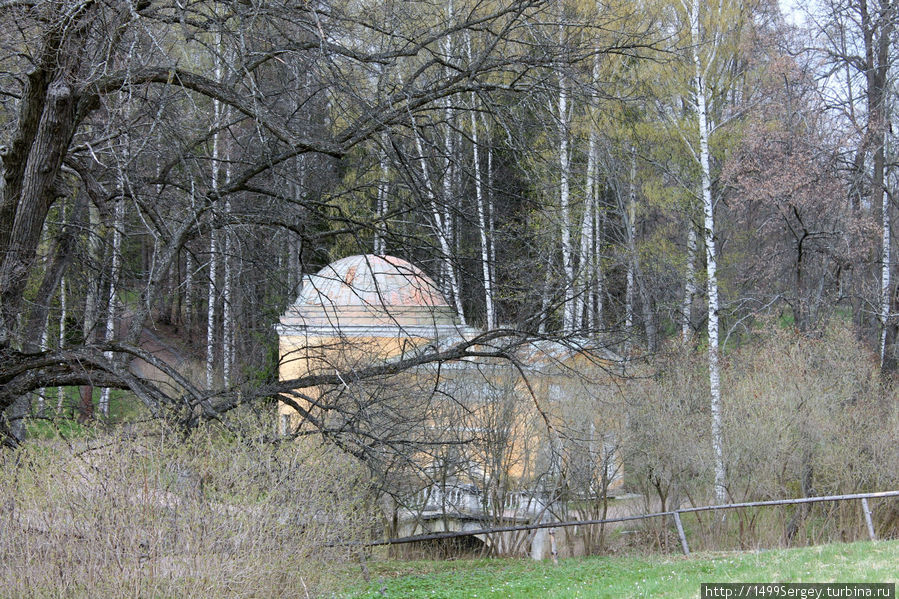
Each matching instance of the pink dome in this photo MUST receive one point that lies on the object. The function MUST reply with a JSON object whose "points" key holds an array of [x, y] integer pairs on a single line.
{"points": [[369, 290]]}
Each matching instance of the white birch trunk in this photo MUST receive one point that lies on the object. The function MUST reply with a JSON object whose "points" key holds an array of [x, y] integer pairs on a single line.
{"points": [[482, 220], [491, 220], [213, 235], [445, 224], [60, 391], [211, 311], [689, 286], [886, 243], [227, 290], [42, 392], [584, 308], [189, 267], [631, 251], [114, 273], [711, 261], [440, 225], [599, 283], [213, 257], [188, 315], [568, 306], [227, 301], [588, 256], [885, 280], [449, 176], [482, 211], [380, 244]]}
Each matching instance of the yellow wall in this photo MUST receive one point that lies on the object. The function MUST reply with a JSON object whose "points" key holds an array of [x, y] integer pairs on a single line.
{"points": [[557, 399], [300, 356]]}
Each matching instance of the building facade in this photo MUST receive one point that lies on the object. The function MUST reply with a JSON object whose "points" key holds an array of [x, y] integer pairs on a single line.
{"points": [[471, 442]]}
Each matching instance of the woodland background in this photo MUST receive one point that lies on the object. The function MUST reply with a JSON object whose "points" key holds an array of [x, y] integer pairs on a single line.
{"points": [[704, 188]]}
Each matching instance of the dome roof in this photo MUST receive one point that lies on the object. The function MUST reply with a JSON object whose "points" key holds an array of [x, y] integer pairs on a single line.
{"points": [[369, 290]]}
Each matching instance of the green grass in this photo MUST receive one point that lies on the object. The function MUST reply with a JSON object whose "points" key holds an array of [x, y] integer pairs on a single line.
{"points": [[661, 576], [123, 406]]}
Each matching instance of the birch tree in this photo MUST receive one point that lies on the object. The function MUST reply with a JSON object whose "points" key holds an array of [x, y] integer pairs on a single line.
{"points": [[708, 209], [71, 60], [483, 227], [442, 224], [564, 154], [689, 285], [115, 271], [589, 304], [856, 39], [212, 290], [484, 212]]}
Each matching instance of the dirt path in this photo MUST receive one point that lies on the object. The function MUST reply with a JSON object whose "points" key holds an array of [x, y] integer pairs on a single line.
{"points": [[166, 351]]}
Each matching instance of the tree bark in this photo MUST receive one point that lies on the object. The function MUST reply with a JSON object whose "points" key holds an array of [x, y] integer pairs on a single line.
{"points": [[689, 285], [442, 227], [114, 274], [482, 219], [631, 229], [711, 260], [35, 195], [568, 307]]}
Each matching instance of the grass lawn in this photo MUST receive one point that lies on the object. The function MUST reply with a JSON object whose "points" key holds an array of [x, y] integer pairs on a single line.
{"points": [[661, 576], [123, 406]]}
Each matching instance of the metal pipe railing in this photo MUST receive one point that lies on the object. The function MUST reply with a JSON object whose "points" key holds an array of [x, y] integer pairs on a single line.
{"points": [[675, 514]]}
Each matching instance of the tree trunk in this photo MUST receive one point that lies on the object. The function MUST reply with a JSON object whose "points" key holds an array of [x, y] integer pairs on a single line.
{"points": [[584, 310], [631, 228], [689, 285], [568, 307], [114, 273], [86, 406], [189, 304], [887, 335], [91, 308], [31, 167], [491, 221], [212, 295], [212, 298], [441, 227], [482, 219], [711, 262], [227, 301], [599, 282], [61, 392], [380, 243]]}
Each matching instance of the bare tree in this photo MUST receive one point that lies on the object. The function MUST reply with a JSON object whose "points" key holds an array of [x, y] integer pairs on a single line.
{"points": [[297, 89]]}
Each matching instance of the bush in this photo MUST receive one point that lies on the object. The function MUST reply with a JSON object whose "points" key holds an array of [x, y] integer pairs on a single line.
{"points": [[803, 416], [152, 514]]}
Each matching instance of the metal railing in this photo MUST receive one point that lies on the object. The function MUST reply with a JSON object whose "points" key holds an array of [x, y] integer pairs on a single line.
{"points": [[675, 514]]}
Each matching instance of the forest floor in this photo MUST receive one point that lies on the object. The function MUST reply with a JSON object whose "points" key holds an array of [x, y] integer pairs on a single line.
{"points": [[656, 576], [169, 345]]}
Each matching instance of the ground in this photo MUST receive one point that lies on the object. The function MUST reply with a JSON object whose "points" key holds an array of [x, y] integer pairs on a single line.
{"points": [[658, 576]]}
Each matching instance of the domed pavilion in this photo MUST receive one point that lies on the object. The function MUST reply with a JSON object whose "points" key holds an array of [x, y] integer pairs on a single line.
{"points": [[360, 310], [364, 310]]}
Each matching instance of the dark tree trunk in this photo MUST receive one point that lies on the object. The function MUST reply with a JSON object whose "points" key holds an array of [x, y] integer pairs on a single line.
{"points": [[86, 405]]}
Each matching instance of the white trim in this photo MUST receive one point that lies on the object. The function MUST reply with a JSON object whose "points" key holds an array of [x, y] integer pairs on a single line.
{"points": [[433, 332]]}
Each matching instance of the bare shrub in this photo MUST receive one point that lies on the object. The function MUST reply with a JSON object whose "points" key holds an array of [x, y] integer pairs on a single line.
{"points": [[808, 416], [157, 515], [667, 449], [804, 415]]}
